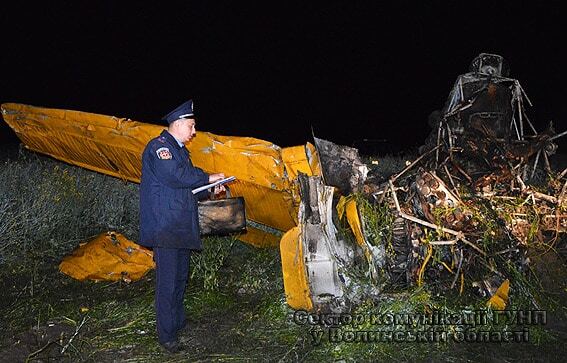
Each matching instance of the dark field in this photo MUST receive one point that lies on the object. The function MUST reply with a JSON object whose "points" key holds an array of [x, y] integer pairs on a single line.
{"points": [[235, 299]]}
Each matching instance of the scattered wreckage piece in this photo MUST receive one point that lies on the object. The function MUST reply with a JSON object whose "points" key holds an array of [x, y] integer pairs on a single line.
{"points": [[341, 166], [313, 259], [108, 257]]}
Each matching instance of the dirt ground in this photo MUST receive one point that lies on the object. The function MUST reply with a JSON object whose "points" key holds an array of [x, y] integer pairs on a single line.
{"points": [[244, 319]]}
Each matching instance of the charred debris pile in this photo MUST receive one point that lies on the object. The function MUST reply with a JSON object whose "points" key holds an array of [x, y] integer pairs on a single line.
{"points": [[469, 213]]}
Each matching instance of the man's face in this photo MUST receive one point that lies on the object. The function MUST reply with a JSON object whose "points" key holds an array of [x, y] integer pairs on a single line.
{"points": [[186, 129]]}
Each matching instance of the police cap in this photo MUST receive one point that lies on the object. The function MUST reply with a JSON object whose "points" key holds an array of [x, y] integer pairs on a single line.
{"points": [[185, 110]]}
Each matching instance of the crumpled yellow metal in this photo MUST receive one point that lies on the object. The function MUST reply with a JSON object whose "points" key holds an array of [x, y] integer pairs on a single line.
{"points": [[265, 172], [499, 300], [108, 257], [347, 205], [296, 284]]}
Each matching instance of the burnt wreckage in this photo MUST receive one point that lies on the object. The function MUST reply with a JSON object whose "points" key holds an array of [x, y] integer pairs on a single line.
{"points": [[466, 213]]}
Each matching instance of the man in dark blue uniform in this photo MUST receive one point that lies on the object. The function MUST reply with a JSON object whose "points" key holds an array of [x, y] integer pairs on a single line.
{"points": [[168, 217]]}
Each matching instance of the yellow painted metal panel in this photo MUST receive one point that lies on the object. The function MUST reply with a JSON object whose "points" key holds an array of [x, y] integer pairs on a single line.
{"points": [[259, 238], [267, 206], [499, 300], [302, 159], [354, 222], [81, 138], [347, 205], [295, 161], [110, 257], [250, 160], [294, 272]]}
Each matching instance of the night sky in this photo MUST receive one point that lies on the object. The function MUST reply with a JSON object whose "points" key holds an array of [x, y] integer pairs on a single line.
{"points": [[346, 70]]}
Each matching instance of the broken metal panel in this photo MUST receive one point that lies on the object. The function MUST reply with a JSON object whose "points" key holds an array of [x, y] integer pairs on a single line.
{"points": [[323, 255], [318, 238], [300, 159], [297, 293], [313, 159], [272, 207], [259, 237], [348, 206], [108, 257], [251, 160], [341, 166], [114, 146], [499, 299]]}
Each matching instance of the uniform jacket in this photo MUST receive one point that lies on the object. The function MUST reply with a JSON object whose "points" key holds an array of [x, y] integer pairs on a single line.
{"points": [[168, 208]]}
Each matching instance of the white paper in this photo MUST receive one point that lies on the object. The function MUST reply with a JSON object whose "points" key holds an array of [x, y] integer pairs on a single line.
{"points": [[218, 182]]}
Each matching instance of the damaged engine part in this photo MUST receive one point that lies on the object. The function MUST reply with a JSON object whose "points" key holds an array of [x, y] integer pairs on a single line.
{"points": [[470, 212]]}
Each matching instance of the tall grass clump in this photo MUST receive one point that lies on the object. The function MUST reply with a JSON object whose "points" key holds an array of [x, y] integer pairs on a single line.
{"points": [[49, 206]]}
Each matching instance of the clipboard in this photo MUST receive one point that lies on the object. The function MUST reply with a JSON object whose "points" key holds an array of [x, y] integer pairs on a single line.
{"points": [[211, 185]]}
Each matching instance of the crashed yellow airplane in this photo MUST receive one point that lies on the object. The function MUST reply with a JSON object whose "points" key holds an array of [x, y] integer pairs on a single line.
{"points": [[267, 176], [457, 216]]}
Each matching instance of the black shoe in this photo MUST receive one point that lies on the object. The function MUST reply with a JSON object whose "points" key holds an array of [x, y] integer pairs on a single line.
{"points": [[171, 347]]}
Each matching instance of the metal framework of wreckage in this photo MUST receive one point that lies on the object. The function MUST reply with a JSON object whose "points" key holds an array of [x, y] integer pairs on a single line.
{"points": [[462, 211]]}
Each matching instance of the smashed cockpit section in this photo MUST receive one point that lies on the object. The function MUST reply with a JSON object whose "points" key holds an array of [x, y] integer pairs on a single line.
{"points": [[464, 217]]}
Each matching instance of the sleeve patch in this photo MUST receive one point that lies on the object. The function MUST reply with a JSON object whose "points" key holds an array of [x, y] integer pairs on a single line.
{"points": [[163, 153]]}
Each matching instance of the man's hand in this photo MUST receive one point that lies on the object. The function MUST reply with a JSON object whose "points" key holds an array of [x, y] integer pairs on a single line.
{"points": [[215, 177], [218, 189]]}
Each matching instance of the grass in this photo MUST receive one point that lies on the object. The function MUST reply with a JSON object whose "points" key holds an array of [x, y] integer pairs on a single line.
{"points": [[235, 299], [49, 207]]}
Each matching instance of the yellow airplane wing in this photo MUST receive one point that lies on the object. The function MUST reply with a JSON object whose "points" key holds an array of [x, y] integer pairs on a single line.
{"points": [[265, 172]]}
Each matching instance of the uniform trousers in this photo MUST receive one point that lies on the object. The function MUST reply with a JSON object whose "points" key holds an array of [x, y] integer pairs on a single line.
{"points": [[172, 268]]}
